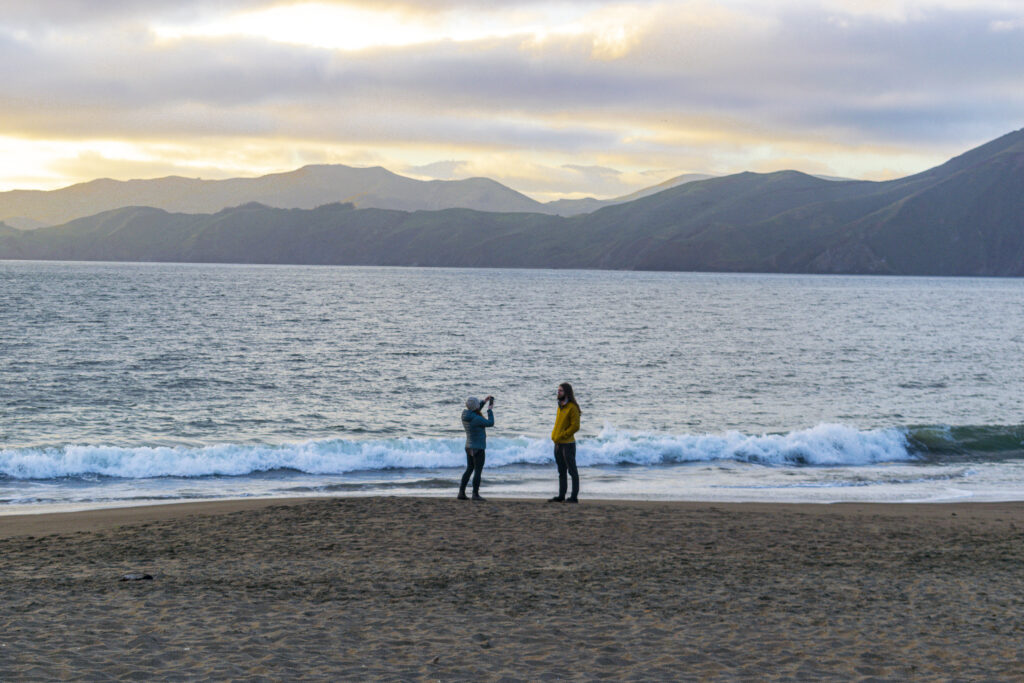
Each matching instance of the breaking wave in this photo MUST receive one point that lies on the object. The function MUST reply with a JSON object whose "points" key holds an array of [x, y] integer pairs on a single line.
{"points": [[823, 445]]}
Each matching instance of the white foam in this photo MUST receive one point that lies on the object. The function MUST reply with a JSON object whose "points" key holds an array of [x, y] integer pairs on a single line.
{"points": [[826, 444]]}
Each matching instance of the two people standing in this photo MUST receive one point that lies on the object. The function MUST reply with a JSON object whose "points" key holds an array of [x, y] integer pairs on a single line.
{"points": [[567, 423]]}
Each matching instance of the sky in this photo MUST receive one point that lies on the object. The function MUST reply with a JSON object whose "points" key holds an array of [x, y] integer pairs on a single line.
{"points": [[554, 99]]}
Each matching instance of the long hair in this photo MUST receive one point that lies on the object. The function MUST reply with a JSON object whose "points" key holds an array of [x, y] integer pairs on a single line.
{"points": [[570, 397]]}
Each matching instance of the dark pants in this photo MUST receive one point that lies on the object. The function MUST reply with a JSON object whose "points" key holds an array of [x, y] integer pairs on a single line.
{"points": [[474, 466], [565, 458]]}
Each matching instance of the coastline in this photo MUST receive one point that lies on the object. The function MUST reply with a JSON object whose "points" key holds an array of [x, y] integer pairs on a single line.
{"points": [[413, 588], [27, 523]]}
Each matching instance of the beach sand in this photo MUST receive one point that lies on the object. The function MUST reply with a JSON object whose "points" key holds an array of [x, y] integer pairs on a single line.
{"points": [[411, 589]]}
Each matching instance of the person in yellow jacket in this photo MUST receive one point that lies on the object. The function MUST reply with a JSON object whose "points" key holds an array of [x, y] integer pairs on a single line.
{"points": [[567, 423]]}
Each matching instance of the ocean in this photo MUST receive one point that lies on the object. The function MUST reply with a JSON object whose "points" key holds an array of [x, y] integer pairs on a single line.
{"points": [[127, 383]]}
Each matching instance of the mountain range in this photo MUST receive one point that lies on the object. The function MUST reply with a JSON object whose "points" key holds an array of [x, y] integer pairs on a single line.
{"points": [[305, 188], [965, 217]]}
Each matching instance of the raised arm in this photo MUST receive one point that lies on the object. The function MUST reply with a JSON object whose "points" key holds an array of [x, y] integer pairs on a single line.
{"points": [[481, 421]]}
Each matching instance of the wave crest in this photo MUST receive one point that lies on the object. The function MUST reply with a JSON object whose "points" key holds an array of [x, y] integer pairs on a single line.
{"points": [[823, 445]]}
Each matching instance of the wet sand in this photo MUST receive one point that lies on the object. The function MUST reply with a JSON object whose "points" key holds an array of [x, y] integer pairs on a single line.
{"points": [[411, 589]]}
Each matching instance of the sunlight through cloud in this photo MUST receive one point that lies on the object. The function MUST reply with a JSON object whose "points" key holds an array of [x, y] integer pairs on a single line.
{"points": [[352, 28]]}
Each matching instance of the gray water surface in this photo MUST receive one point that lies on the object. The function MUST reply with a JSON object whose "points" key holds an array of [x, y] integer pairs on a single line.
{"points": [[371, 365]]}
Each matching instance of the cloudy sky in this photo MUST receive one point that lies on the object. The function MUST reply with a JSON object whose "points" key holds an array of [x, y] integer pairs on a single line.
{"points": [[555, 99]]}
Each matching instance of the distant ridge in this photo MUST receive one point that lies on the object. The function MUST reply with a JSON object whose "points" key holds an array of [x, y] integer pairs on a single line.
{"points": [[304, 188], [965, 217]]}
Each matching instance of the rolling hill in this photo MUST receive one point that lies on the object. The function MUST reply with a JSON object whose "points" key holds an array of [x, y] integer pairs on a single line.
{"points": [[965, 217], [305, 188]]}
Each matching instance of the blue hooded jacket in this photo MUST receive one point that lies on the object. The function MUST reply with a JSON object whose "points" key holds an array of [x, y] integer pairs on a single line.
{"points": [[474, 424]]}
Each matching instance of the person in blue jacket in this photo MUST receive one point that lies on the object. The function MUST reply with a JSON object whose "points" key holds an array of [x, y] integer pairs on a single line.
{"points": [[475, 425]]}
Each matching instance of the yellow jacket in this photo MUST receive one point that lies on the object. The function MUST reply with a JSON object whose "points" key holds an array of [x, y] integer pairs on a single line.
{"points": [[567, 423]]}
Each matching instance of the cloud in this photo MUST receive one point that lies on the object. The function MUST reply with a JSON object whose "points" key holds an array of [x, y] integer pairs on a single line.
{"points": [[600, 180], [440, 170], [602, 171], [92, 164], [546, 182], [1003, 25], [683, 86], [60, 14], [795, 71]]}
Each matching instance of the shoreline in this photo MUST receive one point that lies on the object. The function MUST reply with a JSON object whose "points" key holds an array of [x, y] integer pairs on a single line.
{"points": [[95, 519]]}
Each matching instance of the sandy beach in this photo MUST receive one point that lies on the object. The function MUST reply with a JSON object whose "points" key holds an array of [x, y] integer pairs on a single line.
{"points": [[430, 589]]}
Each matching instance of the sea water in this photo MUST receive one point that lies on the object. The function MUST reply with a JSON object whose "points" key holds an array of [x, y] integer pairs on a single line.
{"points": [[130, 383]]}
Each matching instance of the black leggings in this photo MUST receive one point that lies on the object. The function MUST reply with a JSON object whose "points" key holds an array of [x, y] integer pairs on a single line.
{"points": [[474, 466], [565, 458]]}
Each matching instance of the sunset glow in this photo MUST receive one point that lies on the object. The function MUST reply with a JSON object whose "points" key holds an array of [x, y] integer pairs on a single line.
{"points": [[521, 92]]}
